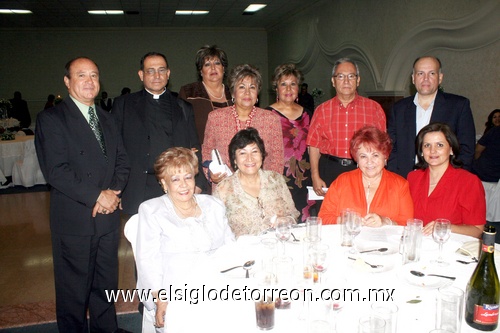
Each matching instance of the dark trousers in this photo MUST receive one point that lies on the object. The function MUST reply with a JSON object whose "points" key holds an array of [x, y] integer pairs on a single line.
{"points": [[84, 267], [329, 170]]}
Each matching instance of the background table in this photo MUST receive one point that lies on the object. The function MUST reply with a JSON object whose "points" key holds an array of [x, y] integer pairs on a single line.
{"points": [[12, 151], [416, 302]]}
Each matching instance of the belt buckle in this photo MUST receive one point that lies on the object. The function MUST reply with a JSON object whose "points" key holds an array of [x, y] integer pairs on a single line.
{"points": [[345, 162]]}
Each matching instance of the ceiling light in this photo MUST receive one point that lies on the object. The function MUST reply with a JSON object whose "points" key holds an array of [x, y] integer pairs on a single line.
{"points": [[105, 12], [254, 7], [191, 12], [15, 11]]}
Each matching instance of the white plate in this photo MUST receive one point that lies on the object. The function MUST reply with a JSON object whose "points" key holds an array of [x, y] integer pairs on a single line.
{"points": [[365, 246], [359, 265], [430, 282]]}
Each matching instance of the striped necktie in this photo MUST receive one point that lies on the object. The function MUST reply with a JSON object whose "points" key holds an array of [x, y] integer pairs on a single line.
{"points": [[96, 128]]}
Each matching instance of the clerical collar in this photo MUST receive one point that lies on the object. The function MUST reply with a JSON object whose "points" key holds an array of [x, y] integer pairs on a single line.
{"points": [[155, 96]]}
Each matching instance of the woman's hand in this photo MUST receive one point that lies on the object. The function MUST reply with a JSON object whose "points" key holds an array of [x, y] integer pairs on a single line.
{"points": [[161, 310], [427, 230], [375, 220], [216, 178]]}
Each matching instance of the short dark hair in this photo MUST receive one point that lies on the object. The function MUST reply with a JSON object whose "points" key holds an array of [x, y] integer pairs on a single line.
{"points": [[370, 136], [285, 70], [450, 137], [242, 139], [67, 67], [240, 72], [207, 52], [152, 54]]}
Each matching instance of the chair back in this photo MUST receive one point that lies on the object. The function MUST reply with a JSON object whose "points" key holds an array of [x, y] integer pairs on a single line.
{"points": [[130, 231], [492, 191]]}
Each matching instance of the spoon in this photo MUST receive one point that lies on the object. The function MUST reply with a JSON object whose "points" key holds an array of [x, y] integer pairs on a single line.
{"points": [[420, 274], [467, 262], [382, 249], [246, 266], [294, 238], [371, 265]]}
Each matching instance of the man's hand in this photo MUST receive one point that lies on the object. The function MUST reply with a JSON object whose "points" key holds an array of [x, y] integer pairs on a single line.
{"points": [[318, 185], [107, 202]]}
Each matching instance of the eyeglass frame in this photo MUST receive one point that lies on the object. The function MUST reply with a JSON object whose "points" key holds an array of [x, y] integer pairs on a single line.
{"points": [[152, 71], [349, 77]]}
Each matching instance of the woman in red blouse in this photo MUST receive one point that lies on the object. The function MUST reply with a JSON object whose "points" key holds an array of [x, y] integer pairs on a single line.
{"points": [[245, 82], [441, 189]]}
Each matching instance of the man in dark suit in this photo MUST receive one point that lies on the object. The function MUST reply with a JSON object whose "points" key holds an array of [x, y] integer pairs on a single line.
{"points": [[151, 121], [106, 103], [429, 105], [82, 157]]}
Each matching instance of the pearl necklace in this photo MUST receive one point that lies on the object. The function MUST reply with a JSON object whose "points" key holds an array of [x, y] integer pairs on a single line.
{"points": [[248, 122], [215, 97]]}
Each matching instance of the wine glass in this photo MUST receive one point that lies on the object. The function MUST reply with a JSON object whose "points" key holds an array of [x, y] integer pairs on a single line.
{"points": [[353, 225], [441, 233], [283, 229], [318, 254]]}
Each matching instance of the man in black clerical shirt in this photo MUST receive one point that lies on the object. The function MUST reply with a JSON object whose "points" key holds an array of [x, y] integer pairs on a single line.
{"points": [[151, 121]]}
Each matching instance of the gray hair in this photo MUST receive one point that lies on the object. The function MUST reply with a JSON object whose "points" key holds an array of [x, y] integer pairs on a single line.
{"points": [[342, 61], [240, 72]]}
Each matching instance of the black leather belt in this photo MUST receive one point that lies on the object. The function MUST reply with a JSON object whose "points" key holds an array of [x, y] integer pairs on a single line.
{"points": [[341, 161]]}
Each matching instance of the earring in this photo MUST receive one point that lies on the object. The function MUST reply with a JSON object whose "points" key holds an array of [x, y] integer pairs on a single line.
{"points": [[232, 100]]}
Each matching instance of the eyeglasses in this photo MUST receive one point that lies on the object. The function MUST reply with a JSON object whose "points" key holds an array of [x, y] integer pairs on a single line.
{"points": [[161, 71], [342, 77]]}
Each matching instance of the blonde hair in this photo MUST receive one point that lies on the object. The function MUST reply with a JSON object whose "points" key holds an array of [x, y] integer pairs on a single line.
{"points": [[174, 159]]}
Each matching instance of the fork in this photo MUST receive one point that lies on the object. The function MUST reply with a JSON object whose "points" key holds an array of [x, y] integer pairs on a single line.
{"points": [[371, 265]]}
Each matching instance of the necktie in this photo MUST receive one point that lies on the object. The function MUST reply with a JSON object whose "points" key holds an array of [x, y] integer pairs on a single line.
{"points": [[96, 128]]}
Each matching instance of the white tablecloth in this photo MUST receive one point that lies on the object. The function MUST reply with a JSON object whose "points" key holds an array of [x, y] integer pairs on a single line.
{"points": [[12, 151], [416, 302]]}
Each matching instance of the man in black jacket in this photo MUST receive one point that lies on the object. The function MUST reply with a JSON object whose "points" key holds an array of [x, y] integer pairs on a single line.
{"points": [[151, 121]]}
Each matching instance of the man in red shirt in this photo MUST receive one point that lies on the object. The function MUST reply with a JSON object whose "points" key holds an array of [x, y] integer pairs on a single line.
{"points": [[335, 121]]}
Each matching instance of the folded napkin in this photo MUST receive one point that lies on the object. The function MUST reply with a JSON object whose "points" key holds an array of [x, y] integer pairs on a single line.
{"points": [[471, 248]]}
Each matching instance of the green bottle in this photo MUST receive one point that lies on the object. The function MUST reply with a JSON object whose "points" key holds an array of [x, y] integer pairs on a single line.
{"points": [[483, 289]]}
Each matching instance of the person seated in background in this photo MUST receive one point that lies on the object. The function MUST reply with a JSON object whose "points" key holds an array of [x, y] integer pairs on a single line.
{"points": [[440, 188], [20, 110], [50, 102], [125, 91], [486, 163], [253, 196], [176, 229], [106, 103], [381, 197], [493, 120]]}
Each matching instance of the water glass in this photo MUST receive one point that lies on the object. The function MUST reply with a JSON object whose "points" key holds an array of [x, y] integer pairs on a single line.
{"points": [[389, 312], [269, 248], [345, 215], [313, 227], [283, 270], [371, 324], [412, 241], [449, 308]]}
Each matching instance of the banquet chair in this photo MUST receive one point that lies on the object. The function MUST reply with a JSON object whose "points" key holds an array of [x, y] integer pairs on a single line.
{"points": [[26, 172], [492, 191], [130, 232]]}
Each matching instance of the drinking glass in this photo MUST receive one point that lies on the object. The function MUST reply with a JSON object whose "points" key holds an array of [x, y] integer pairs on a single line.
{"points": [[313, 227], [283, 229], [353, 225], [371, 324], [441, 233], [449, 308], [318, 254]]}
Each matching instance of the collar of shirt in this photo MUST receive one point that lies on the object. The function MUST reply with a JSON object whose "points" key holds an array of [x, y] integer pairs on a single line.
{"points": [[84, 109], [356, 97], [423, 116], [155, 96]]}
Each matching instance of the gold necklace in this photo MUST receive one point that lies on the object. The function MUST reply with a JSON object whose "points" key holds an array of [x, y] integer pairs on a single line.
{"points": [[215, 97], [187, 212]]}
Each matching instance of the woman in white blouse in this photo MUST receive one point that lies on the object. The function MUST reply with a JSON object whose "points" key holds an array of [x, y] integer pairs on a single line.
{"points": [[176, 230]]}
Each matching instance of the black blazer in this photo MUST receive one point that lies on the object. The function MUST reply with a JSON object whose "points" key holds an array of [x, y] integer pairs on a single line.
{"points": [[131, 120], [451, 109], [72, 162]]}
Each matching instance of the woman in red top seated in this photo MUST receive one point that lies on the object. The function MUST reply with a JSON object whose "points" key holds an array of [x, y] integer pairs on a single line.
{"points": [[441, 189], [380, 196]]}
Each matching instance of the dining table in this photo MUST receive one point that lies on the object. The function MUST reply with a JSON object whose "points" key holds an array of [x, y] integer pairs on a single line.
{"points": [[209, 300], [12, 150]]}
